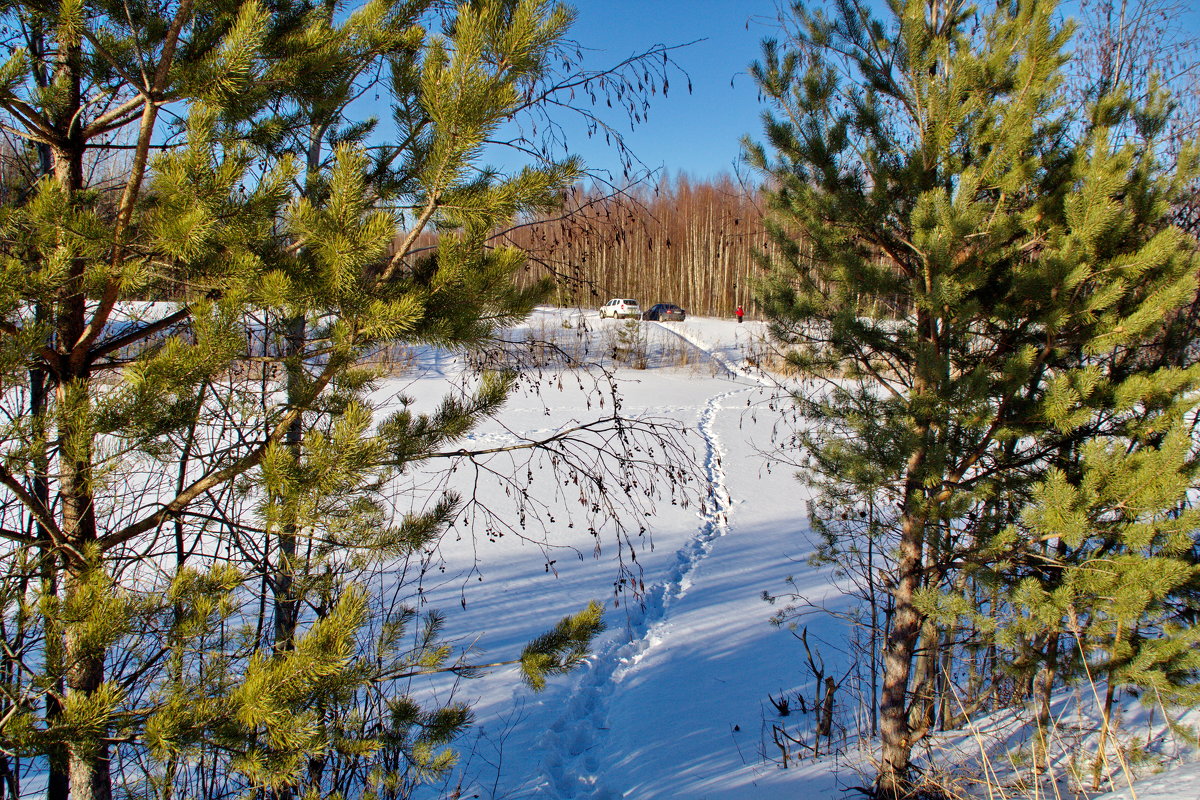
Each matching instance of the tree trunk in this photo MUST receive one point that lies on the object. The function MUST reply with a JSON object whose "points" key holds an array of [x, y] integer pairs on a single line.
{"points": [[56, 773], [825, 717], [920, 712], [287, 602], [898, 651], [1043, 689], [87, 760], [945, 686], [896, 734], [874, 630]]}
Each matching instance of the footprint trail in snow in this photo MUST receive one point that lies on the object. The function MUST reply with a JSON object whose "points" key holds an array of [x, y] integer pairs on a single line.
{"points": [[570, 769]]}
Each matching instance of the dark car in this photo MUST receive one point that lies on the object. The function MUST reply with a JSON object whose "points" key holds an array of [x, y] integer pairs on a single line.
{"points": [[665, 312]]}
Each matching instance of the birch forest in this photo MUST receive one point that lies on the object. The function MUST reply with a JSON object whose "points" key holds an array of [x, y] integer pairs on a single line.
{"points": [[684, 241]]}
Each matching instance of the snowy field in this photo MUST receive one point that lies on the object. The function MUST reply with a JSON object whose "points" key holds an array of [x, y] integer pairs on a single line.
{"points": [[675, 703], [672, 705]]}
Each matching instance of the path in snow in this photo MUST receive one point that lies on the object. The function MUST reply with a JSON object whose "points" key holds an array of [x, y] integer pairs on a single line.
{"points": [[734, 370], [570, 767], [673, 706]]}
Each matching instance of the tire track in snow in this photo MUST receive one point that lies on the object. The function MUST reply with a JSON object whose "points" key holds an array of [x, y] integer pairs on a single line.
{"points": [[570, 769]]}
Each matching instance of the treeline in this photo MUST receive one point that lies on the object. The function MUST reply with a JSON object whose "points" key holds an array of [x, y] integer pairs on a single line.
{"points": [[680, 241]]}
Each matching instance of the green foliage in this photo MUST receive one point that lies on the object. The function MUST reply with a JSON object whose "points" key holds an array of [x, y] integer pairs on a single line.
{"points": [[629, 345], [561, 649], [408, 437], [181, 331], [1122, 579], [978, 277], [980, 269]]}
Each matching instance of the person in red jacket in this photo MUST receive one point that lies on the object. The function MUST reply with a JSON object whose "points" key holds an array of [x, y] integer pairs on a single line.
{"points": [[740, 314]]}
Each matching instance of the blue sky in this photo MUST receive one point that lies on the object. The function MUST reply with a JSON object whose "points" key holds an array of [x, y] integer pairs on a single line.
{"points": [[698, 133]]}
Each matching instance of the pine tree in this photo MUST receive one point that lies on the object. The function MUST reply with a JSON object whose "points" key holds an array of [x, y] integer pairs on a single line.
{"points": [[199, 154], [973, 258], [1116, 593]]}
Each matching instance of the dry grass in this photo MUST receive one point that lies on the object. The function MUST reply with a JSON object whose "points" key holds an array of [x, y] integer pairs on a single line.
{"points": [[1012, 758]]}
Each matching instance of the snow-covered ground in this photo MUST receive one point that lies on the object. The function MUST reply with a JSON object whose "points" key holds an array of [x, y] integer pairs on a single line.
{"points": [[674, 704], [679, 699], [676, 701]]}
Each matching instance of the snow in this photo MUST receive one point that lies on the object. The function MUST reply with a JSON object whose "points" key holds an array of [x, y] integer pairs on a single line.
{"points": [[674, 703], [1181, 783]]}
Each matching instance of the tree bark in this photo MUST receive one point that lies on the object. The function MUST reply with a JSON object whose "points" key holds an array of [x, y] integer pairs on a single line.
{"points": [[898, 649], [921, 709], [1043, 690], [896, 733], [57, 786], [87, 760]]}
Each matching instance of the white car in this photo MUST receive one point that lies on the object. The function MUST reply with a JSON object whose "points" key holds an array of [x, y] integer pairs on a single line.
{"points": [[621, 308]]}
